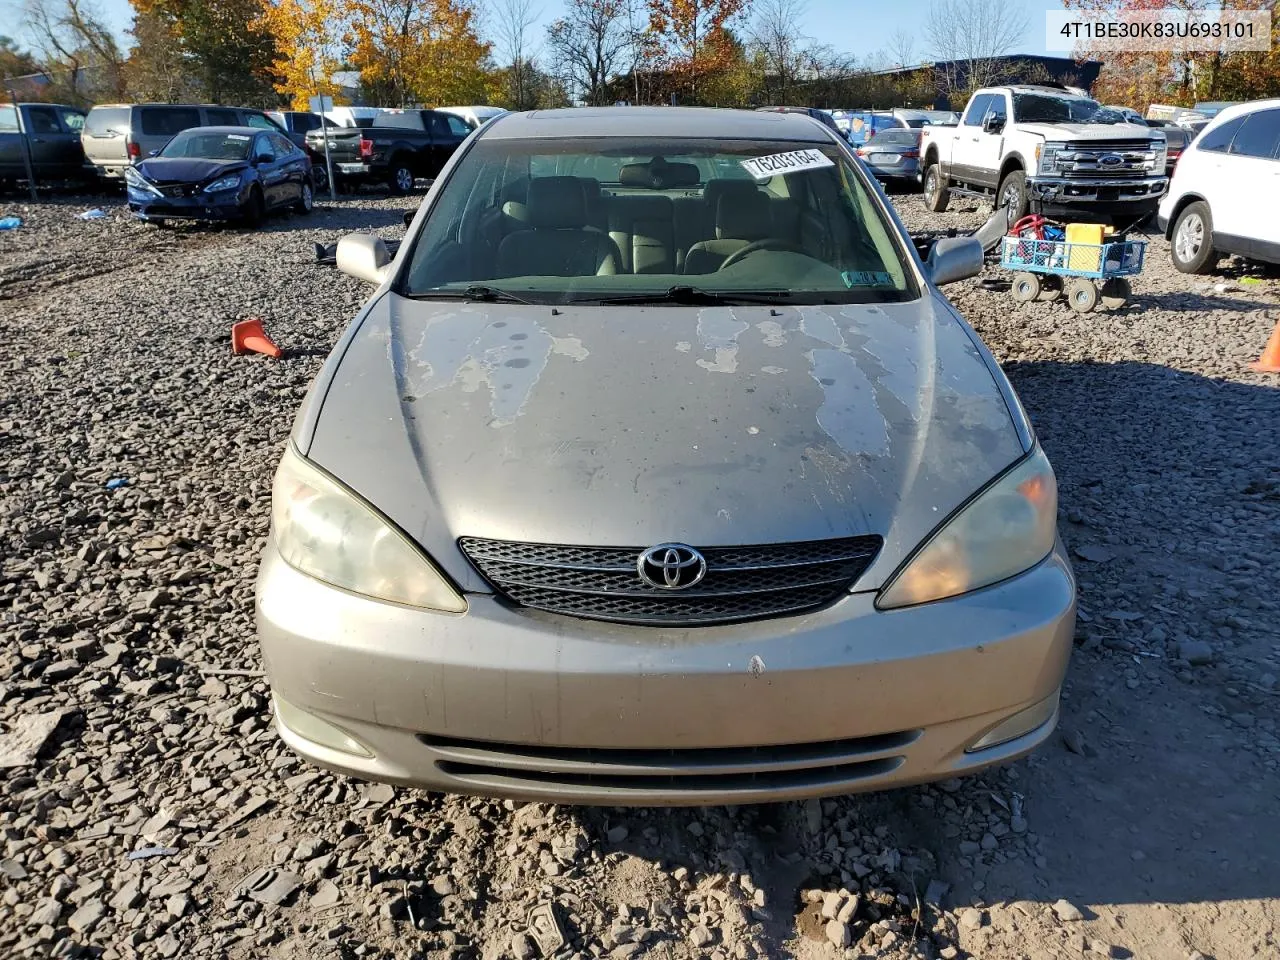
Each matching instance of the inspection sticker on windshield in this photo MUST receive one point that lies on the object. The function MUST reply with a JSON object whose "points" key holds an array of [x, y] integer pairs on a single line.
{"points": [[762, 168], [866, 278]]}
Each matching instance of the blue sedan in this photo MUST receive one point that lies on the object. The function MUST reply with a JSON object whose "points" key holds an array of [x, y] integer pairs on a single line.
{"points": [[221, 173]]}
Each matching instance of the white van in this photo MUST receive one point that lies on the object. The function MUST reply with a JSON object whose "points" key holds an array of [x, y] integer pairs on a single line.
{"points": [[1225, 193], [350, 116], [474, 116]]}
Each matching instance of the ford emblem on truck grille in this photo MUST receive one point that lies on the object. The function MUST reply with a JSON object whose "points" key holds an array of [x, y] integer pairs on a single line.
{"points": [[1110, 160]]}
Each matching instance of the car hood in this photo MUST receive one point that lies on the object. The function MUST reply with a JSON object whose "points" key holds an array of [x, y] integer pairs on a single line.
{"points": [[187, 169], [1089, 131], [630, 426]]}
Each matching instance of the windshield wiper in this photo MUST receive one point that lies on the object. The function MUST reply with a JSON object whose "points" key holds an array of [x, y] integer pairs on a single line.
{"points": [[695, 296], [477, 292]]}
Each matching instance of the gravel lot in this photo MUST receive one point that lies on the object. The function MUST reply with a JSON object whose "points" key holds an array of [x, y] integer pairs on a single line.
{"points": [[1147, 829]]}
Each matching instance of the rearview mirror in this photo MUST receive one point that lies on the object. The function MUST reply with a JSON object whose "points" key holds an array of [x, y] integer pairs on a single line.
{"points": [[363, 256], [952, 259]]}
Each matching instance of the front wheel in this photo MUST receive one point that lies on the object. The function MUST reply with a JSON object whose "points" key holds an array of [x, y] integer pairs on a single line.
{"points": [[1193, 239], [936, 193], [1012, 195], [255, 209], [1026, 287], [1082, 295]]}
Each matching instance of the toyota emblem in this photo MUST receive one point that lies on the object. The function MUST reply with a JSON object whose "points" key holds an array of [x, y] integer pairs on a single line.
{"points": [[671, 566]]}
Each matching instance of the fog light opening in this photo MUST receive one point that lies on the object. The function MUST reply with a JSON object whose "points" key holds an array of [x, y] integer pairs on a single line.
{"points": [[318, 731], [1019, 725]]}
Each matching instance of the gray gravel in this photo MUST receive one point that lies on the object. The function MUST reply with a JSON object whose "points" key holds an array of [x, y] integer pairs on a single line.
{"points": [[128, 613]]}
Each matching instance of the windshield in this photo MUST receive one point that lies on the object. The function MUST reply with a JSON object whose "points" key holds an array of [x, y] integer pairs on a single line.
{"points": [[1046, 108], [208, 146], [582, 220]]}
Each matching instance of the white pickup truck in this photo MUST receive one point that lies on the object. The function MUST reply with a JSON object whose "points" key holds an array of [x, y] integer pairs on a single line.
{"points": [[1044, 150]]}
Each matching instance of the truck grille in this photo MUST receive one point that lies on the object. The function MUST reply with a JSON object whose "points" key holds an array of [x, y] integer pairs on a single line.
{"points": [[1109, 158], [741, 583]]}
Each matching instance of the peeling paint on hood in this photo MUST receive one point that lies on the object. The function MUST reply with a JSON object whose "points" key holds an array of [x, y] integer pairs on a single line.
{"points": [[773, 425]]}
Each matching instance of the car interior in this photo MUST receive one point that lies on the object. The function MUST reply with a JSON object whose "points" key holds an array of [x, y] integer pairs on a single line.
{"points": [[608, 216]]}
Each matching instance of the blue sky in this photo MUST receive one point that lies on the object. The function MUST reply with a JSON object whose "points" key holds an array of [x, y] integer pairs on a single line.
{"points": [[857, 26]]}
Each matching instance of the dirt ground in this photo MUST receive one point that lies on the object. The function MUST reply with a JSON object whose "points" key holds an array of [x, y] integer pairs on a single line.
{"points": [[1146, 829]]}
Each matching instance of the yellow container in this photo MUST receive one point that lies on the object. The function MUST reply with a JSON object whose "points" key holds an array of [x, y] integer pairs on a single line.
{"points": [[1085, 257]]}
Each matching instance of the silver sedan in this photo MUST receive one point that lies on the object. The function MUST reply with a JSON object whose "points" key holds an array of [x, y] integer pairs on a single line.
{"points": [[657, 470]]}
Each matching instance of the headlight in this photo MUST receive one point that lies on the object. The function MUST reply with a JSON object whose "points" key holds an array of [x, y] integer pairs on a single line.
{"points": [[223, 183], [325, 531], [1160, 148], [1006, 529], [136, 180], [1049, 157]]}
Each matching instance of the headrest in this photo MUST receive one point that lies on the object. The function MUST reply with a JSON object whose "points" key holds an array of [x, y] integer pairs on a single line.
{"points": [[743, 217], [557, 203], [658, 174], [715, 189]]}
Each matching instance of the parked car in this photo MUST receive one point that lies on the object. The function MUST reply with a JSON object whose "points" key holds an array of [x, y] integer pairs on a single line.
{"points": [[1129, 114], [118, 135], [353, 116], [221, 173], [475, 116], [893, 156], [297, 124], [1225, 194], [1176, 140], [863, 125], [822, 116], [1045, 150], [52, 133], [926, 118], [783, 528], [398, 147]]}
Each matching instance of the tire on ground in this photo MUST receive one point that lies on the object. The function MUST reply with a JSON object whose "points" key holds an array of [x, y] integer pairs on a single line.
{"points": [[1012, 195], [1026, 287], [1082, 294], [936, 192], [1116, 292], [1190, 256]]}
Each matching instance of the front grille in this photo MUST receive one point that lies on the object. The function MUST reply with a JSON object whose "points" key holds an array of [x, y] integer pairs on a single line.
{"points": [[485, 764], [1082, 159], [178, 190], [741, 583]]}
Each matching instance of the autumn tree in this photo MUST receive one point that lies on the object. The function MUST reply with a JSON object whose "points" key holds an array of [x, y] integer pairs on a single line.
{"points": [[15, 61], [588, 44], [305, 38], [157, 69], [227, 47], [513, 22], [690, 36], [782, 47], [410, 51]]}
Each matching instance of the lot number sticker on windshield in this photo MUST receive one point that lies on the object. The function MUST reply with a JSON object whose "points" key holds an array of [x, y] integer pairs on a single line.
{"points": [[237, 136], [762, 168]]}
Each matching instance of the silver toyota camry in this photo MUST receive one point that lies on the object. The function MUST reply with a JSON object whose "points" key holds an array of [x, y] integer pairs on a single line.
{"points": [[657, 470]]}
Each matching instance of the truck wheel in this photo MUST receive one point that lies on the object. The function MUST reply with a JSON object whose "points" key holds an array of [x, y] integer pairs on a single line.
{"points": [[1193, 239], [401, 176], [1012, 195], [936, 193], [1115, 292], [1026, 287], [1050, 288], [1082, 295]]}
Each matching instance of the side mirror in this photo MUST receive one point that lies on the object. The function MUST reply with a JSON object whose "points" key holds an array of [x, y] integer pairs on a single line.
{"points": [[992, 123], [363, 256], [954, 258]]}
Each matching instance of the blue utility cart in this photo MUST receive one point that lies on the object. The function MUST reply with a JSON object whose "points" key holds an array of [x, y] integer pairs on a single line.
{"points": [[1086, 273]]}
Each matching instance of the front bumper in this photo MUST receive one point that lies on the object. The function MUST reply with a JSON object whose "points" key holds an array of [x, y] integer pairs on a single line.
{"points": [[1061, 191], [147, 206], [511, 702]]}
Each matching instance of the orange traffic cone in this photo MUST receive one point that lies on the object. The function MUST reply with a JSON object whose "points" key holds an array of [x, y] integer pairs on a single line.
{"points": [[247, 336], [1269, 362]]}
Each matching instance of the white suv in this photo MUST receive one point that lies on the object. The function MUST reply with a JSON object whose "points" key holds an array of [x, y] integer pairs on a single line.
{"points": [[1225, 193]]}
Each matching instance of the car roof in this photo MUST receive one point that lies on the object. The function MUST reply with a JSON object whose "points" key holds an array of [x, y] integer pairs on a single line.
{"points": [[227, 130], [691, 123], [1239, 109]]}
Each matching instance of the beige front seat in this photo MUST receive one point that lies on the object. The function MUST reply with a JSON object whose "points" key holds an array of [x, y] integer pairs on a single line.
{"points": [[559, 242], [742, 218]]}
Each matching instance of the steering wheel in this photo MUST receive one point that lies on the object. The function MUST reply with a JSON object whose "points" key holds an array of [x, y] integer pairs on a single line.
{"points": [[768, 243]]}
